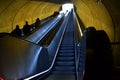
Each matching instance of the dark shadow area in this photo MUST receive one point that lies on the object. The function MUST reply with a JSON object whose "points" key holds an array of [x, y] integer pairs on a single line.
{"points": [[99, 56], [55, 1], [3, 34]]}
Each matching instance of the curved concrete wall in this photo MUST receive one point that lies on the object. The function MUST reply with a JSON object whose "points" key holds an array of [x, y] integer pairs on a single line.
{"points": [[13, 12], [113, 7], [93, 14], [105, 16]]}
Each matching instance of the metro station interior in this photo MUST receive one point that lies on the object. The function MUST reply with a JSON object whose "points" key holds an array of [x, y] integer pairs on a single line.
{"points": [[64, 40]]}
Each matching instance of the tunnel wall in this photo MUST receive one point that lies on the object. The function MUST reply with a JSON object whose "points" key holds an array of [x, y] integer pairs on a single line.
{"points": [[113, 7], [13, 12], [103, 16], [93, 14]]}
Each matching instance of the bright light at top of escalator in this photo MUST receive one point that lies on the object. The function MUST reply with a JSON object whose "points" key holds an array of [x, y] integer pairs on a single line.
{"points": [[67, 7]]}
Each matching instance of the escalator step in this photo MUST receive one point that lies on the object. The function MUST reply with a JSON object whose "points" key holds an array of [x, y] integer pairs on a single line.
{"points": [[65, 63], [64, 47], [63, 73], [65, 42], [66, 54], [67, 37], [64, 68], [70, 42], [65, 58], [67, 48], [66, 51]]}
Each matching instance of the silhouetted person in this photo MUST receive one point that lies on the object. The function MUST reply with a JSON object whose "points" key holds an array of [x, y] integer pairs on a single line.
{"points": [[98, 1], [37, 22], [99, 57], [26, 28], [17, 31], [54, 14]]}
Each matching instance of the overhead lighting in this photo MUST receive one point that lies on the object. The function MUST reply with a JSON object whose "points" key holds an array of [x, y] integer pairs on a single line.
{"points": [[67, 7]]}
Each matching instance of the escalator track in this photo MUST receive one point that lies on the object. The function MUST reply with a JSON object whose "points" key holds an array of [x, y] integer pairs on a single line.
{"points": [[64, 67]]}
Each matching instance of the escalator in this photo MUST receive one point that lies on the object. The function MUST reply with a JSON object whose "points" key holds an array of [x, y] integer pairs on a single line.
{"points": [[38, 35], [64, 67], [62, 52]]}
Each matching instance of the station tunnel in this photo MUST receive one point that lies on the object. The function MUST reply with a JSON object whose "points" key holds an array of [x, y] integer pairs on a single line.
{"points": [[102, 14]]}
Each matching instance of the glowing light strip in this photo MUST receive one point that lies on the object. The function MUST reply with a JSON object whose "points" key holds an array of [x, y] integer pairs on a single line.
{"points": [[78, 25]]}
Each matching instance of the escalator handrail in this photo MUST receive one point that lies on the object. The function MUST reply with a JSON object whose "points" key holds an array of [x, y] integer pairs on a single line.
{"points": [[49, 69], [77, 48], [79, 26], [48, 27], [75, 43]]}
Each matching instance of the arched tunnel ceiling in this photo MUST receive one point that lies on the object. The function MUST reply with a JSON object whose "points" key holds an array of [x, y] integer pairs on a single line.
{"points": [[104, 15], [14, 12]]}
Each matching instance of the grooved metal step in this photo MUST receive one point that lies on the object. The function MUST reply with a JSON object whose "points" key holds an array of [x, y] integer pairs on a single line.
{"points": [[66, 54], [66, 51], [67, 47], [64, 73], [61, 63], [64, 68], [65, 58]]}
